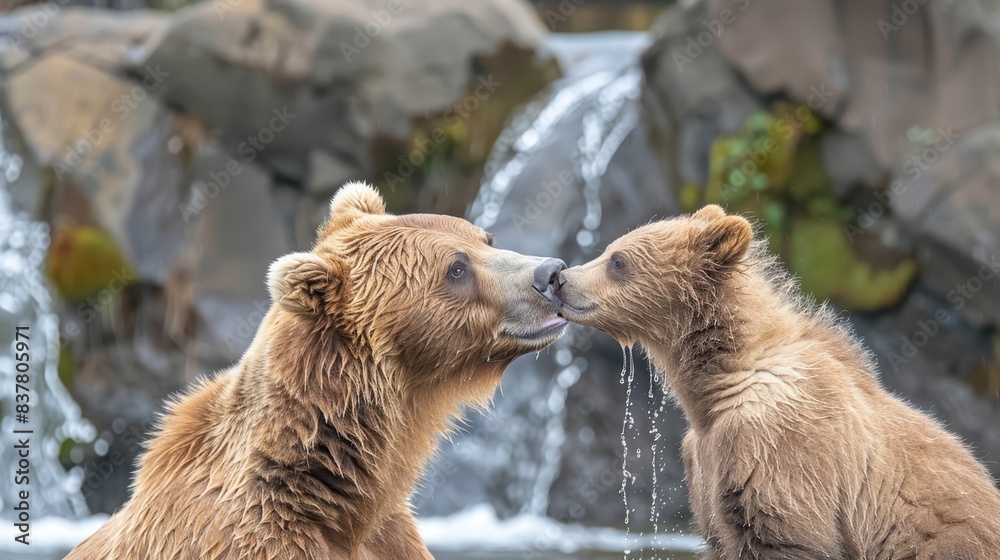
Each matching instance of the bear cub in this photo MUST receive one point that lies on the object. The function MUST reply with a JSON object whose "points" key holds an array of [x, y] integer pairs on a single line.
{"points": [[794, 450]]}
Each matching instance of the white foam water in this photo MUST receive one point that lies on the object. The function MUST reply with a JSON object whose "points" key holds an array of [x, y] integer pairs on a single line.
{"points": [[474, 529], [478, 529], [627, 424], [50, 534]]}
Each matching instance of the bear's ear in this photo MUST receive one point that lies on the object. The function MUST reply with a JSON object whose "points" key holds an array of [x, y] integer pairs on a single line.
{"points": [[710, 213], [305, 283], [727, 240], [352, 201]]}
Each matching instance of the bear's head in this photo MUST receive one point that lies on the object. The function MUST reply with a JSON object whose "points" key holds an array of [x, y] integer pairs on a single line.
{"points": [[415, 299], [655, 283]]}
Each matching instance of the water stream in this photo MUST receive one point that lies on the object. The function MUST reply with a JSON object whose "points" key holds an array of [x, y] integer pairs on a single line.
{"points": [[628, 424], [51, 414], [602, 105], [580, 128]]}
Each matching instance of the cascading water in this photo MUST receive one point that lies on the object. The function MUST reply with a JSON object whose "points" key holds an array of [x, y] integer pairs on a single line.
{"points": [[655, 451], [627, 424], [604, 129], [52, 414], [587, 131], [555, 434], [589, 126], [607, 101], [610, 114]]}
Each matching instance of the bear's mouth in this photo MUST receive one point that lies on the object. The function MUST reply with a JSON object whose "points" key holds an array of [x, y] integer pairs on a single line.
{"points": [[549, 330], [574, 311]]}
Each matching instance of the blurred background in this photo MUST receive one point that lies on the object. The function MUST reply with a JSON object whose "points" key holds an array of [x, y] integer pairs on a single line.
{"points": [[158, 155]]}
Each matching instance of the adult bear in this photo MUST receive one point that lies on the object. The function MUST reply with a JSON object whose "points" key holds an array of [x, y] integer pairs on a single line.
{"points": [[310, 446]]}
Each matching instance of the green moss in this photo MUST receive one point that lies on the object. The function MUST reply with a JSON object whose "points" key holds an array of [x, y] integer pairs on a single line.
{"points": [[772, 169], [65, 449], [821, 256], [445, 142], [65, 366], [83, 261]]}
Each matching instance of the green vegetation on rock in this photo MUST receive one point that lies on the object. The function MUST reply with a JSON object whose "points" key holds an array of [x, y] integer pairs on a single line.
{"points": [[772, 169], [83, 261]]}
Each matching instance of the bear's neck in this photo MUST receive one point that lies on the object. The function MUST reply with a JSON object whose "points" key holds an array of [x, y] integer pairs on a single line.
{"points": [[712, 355], [342, 439]]}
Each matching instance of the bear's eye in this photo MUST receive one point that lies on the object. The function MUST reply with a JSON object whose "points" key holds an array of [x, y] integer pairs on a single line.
{"points": [[490, 238], [457, 271], [616, 265]]}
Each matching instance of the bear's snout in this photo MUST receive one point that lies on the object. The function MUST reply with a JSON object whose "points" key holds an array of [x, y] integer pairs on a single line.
{"points": [[547, 278]]}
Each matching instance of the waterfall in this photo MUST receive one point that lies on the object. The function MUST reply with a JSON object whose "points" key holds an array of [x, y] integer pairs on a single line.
{"points": [[52, 415], [604, 107]]}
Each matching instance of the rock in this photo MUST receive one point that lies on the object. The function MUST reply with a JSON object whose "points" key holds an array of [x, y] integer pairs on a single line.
{"points": [[304, 75], [896, 71], [215, 290], [326, 173], [691, 93], [945, 198], [849, 162], [91, 36], [108, 144], [119, 390]]}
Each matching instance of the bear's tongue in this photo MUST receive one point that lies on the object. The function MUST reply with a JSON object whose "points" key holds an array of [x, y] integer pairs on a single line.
{"points": [[552, 322]]}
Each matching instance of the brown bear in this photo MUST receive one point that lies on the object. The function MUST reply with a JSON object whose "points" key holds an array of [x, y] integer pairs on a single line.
{"points": [[310, 446], [795, 451]]}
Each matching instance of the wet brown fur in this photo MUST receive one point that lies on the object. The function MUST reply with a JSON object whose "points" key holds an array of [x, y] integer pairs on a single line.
{"points": [[310, 446], [795, 451]]}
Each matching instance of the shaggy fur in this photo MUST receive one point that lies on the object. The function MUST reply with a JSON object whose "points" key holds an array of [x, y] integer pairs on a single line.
{"points": [[795, 451], [310, 446]]}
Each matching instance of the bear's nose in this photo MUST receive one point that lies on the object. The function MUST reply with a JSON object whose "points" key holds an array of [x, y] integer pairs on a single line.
{"points": [[547, 278]]}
